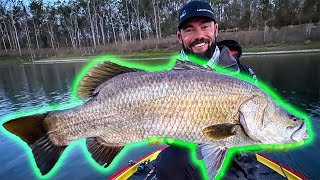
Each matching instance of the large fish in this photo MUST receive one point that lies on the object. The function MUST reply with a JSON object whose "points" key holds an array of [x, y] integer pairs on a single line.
{"points": [[187, 103]]}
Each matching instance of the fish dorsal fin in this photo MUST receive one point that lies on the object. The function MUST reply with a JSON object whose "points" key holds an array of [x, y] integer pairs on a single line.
{"points": [[220, 131], [98, 74], [102, 152], [213, 157], [106, 70], [187, 65]]}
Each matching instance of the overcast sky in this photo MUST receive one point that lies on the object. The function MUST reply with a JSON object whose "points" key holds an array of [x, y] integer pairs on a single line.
{"points": [[45, 1]]}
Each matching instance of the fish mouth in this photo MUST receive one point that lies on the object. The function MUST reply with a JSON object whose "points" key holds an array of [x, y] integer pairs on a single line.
{"points": [[301, 133]]}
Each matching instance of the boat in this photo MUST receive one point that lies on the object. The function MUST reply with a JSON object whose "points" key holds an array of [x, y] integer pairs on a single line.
{"points": [[143, 168], [134, 167], [280, 169]]}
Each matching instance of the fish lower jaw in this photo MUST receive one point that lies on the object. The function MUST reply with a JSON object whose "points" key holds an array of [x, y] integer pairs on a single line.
{"points": [[298, 138], [300, 134]]}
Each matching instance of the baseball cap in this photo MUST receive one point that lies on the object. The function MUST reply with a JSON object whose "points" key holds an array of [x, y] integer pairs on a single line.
{"points": [[195, 9]]}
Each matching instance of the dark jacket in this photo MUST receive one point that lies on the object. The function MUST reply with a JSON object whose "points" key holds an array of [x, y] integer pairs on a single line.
{"points": [[229, 58], [231, 51]]}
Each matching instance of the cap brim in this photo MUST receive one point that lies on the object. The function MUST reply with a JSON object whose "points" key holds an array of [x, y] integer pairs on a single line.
{"points": [[187, 19]]}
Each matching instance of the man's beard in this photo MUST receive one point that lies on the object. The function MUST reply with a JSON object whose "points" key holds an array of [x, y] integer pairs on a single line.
{"points": [[205, 55]]}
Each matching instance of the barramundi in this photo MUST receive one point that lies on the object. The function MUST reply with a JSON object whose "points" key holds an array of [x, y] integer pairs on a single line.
{"points": [[189, 103]]}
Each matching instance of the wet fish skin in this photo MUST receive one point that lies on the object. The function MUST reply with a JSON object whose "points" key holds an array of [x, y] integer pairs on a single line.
{"points": [[163, 104], [166, 104], [195, 105]]}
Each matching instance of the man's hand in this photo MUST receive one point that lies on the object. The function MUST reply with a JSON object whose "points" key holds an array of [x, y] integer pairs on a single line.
{"points": [[158, 141], [280, 148]]}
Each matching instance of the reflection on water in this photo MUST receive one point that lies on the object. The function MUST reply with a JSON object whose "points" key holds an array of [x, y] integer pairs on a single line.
{"points": [[25, 86], [38, 86], [291, 75], [295, 77]]}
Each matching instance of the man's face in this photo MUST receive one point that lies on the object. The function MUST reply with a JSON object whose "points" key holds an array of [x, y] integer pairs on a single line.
{"points": [[198, 36]]}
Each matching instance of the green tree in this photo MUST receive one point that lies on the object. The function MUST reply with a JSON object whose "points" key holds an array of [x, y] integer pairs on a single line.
{"points": [[311, 11]]}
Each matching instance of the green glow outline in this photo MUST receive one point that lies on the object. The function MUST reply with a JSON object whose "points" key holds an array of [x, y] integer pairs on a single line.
{"points": [[75, 101]]}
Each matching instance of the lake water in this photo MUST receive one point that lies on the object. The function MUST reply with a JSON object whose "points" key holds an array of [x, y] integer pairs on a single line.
{"points": [[36, 86]]}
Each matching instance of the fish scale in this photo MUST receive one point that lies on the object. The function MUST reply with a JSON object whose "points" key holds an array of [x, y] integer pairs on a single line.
{"points": [[173, 130], [174, 127], [192, 104]]}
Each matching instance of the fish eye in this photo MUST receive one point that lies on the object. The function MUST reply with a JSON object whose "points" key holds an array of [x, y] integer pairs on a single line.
{"points": [[293, 117]]}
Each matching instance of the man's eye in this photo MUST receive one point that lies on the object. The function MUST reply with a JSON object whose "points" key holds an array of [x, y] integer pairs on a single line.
{"points": [[205, 26], [188, 30]]}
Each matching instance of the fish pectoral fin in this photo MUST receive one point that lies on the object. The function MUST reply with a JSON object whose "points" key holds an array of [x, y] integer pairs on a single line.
{"points": [[220, 131], [213, 157], [102, 152], [31, 130]]}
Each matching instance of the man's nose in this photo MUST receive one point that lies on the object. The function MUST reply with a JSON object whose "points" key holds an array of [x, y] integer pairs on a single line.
{"points": [[198, 33]]}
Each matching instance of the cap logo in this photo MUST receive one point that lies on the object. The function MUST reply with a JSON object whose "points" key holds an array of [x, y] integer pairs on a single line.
{"points": [[207, 10], [184, 12]]}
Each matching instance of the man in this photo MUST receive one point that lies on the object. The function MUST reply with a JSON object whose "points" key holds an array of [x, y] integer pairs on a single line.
{"points": [[197, 32]]}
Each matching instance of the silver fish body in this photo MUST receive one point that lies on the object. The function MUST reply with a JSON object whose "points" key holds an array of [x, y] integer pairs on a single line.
{"points": [[134, 106], [213, 110]]}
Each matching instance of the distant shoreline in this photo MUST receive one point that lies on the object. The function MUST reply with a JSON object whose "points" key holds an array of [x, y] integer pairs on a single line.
{"points": [[282, 52], [150, 56], [48, 61]]}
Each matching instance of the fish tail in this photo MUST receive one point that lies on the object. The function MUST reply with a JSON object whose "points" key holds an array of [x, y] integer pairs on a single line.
{"points": [[32, 131]]}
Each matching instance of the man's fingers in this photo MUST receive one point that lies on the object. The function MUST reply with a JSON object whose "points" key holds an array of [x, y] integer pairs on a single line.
{"points": [[155, 141], [152, 141], [169, 141], [279, 148], [159, 141]]}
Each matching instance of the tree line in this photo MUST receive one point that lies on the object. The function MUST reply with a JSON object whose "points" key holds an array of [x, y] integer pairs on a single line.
{"points": [[92, 23]]}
